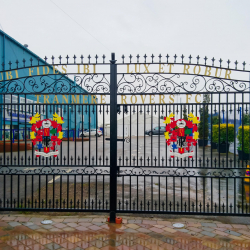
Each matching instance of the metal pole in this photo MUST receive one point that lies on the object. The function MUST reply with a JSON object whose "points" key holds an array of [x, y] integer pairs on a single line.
{"points": [[113, 138]]}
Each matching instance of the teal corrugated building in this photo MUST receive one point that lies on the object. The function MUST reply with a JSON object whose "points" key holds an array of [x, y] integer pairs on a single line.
{"points": [[38, 83]]}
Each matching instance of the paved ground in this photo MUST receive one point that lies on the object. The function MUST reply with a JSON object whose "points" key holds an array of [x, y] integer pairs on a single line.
{"points": [[92, 232]]}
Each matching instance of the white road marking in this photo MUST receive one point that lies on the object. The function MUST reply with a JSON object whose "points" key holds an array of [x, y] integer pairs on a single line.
{"points": [[30, 168], [58, 176]]}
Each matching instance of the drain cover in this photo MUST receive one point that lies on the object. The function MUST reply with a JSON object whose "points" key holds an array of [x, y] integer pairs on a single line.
{"points": [[178, 225], [46, 222]]}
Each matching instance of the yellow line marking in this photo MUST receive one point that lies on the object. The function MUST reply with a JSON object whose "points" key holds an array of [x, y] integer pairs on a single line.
{"points": [[58, 176]]}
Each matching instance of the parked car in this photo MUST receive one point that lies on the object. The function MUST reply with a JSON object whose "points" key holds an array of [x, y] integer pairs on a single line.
{"points": [[93, 132], [156, 131]]}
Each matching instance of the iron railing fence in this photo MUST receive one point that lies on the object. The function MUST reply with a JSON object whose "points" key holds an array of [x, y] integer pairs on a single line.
{"points": [[130, 167]]}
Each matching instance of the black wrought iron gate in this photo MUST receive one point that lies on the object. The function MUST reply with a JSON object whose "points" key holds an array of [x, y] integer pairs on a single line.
{"points": [[120, 147]]}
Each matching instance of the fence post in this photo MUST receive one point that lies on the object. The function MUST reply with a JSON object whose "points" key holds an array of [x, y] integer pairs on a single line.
{"points": [[113, 138]]}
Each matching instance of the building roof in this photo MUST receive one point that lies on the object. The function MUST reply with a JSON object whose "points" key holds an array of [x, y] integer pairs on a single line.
{"points": [[12, 40]]}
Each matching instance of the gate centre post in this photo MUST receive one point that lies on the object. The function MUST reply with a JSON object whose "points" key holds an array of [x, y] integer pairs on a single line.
{"points": [[113, 138]]}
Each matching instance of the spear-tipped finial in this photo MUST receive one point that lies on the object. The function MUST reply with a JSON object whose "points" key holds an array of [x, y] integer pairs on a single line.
{"points": [[74, 59], [244, 64], [205, 58], [236, 64], [175, 56], [182, 57], [167, 57], [130, 57], [67, 57], [220, 62], [138, 58], [198, 58], [190, 58], [213, 61], [10, 64], [152, 58], [160, 56]]}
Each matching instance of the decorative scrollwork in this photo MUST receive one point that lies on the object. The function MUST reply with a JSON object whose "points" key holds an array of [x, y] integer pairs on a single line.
{"points": [[61, 84], [173, 83], [94, 83], [180, 172], [88, 170]]}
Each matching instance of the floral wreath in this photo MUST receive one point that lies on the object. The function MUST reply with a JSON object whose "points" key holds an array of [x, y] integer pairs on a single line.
{"points": [[44, 137], [181, 135]]}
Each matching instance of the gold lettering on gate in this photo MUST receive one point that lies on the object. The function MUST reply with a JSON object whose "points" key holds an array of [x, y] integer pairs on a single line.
{"points": [[188, 97], [171, 99], [93, 99], [143, 99], [227, 74], [65, 98], [131, 99], [216, 72], [208, 71], [146, 68], [151, 99], [162, 97], [137, 71], [195, 69], [103, 99], [123, 99], [75, 99], [55, 99], [45, 98], [9, 75], [186, 68], [196, 98]]}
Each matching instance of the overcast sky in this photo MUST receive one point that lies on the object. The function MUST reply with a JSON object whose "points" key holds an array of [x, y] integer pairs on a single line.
{"points": [[212, 28]]}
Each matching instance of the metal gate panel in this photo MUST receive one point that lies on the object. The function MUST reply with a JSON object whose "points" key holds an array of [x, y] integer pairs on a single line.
{"points": [[130, 167]]}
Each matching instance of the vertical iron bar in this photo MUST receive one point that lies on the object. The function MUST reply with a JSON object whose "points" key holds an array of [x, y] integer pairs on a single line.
{"points": [[137, 149], [75, 132], [211, 126], [18, 151], [144, 142], [32, 193], [69, 122], [11, 191], [211, 195], [53, 196], [82, 132], [95, 108], [11, 132], [60, 191], [103, 144], [113, 138], [25, 190], [25, 162], [4, 145]]}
